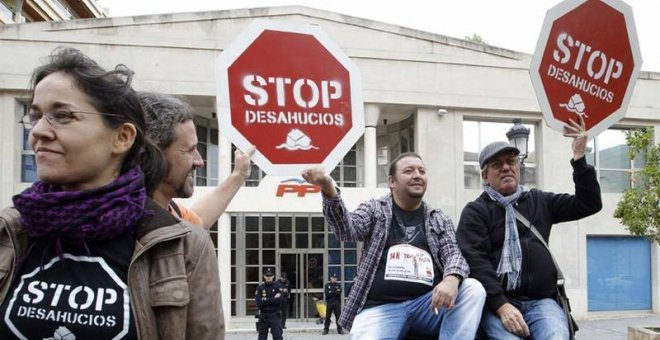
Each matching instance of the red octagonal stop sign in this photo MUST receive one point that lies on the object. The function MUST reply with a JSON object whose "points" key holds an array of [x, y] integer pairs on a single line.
{"points": [[586, 63], [289, 90]]}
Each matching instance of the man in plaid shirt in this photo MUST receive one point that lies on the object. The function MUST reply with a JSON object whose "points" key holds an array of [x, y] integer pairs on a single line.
{"points": [[412, 277]]}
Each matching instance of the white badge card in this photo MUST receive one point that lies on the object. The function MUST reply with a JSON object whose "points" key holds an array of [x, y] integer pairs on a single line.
{"points": [[410, 264]]}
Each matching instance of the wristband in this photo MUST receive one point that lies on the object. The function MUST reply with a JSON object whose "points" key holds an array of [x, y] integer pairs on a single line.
{"points": [[460, 278]]}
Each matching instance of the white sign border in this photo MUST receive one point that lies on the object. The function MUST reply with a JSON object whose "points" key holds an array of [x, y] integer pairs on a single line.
{"points": [[553, 14], [238, 46]]}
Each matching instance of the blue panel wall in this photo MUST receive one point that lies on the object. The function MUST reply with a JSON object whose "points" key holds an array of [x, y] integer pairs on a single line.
{"points": [[619, 273]]}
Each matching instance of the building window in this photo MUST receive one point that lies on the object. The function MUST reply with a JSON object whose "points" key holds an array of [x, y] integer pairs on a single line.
{"points": [[260, 241], [63, 9], [477, 134], [207, 146], [345, 174], [6, 13], [392, 140], [342, 260], [234, 278], [608, 153], [256, 174], [28, 162]]}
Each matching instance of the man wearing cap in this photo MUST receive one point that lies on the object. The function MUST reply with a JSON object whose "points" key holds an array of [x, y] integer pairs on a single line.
{"points": [[268, 299], [333, 303], [521, 284], [411, 275]]}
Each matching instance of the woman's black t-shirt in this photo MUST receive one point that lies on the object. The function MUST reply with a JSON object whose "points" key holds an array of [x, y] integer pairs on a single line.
{"points": [[83, 297]]}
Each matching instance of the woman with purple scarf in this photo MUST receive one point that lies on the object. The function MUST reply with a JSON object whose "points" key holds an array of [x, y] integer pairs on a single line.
{"points": [[84, 252]]}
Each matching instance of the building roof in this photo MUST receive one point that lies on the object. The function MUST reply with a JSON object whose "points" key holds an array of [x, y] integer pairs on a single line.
{"points": [[52, 10]]}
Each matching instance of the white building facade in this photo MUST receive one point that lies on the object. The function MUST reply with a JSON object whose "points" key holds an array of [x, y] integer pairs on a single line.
{"points": [[441, 97]]}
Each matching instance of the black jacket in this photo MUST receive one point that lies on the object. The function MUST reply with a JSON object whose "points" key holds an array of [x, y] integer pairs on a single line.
{"points": [[480, 235], [265, 298], [284, 290], [332, 292]]}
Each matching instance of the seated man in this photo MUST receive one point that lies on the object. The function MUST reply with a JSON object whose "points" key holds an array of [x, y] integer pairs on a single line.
{"points": [[514, 266], [411, 276]]}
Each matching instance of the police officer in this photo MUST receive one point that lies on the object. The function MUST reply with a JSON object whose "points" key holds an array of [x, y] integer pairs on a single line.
{"points": [[284, 290], [268, 298], [333, 303]]}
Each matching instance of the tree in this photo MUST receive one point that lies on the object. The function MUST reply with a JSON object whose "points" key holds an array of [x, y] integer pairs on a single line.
{"points": [[476, 38], [639, 208]]}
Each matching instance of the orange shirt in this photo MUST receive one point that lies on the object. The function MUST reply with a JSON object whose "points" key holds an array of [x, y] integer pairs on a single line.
{"points": [[184, 213]]}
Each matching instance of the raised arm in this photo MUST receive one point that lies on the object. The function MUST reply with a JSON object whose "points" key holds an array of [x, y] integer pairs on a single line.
{"points": [[317, 176], [211, 206], [587, 199], [578, 132], [346, 225]]}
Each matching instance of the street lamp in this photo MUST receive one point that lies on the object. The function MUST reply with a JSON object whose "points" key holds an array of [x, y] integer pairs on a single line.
{"points": [[518, 136]]}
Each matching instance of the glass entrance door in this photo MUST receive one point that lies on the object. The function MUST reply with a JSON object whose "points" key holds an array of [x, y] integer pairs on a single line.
{"points": [[306, 272]]}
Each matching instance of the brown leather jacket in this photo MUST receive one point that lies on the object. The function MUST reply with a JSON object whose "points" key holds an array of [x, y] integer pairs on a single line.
{"points": [[173, 276]]}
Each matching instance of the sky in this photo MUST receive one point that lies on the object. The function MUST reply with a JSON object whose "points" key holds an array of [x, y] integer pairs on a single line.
{"points": [[510, 24]]}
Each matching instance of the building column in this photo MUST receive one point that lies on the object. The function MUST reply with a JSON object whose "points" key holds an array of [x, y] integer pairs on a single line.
{"points": [[224, 231], [371, 113]]}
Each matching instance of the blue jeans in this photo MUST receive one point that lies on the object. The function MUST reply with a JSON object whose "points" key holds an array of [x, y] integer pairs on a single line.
{"points": [[395, 320], [544, 318]]}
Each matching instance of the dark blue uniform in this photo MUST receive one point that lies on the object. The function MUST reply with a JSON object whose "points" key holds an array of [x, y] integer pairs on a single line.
{"points": [[269, 310], [286, 294], [333, 305]]}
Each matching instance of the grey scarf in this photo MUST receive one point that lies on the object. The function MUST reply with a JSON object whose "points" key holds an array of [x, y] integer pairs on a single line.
{"points": [[511, 259]]}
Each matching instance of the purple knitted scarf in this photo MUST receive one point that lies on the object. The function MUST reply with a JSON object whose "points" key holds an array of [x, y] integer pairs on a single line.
{"points": [[75, 217]]}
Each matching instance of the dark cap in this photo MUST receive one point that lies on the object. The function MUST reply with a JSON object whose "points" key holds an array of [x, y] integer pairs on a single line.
{"points": [[333, 275], [494, 149], [283, 275], [268, 272]]}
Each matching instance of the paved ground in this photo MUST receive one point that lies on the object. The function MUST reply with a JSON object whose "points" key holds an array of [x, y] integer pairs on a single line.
{"points": [[244, 329], [601, 329], [614, 329]]}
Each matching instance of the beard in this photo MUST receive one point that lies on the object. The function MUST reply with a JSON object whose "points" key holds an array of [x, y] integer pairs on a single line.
{"points": [[412, 193], [185, 190], [417, 194]]}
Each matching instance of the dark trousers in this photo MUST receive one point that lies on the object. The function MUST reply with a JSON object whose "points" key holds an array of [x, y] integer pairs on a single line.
{"points": [[285, 311], [332, 307], [270, 321]]}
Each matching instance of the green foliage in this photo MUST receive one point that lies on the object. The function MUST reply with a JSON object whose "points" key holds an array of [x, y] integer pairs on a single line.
{"points": [[476, 38], [639, 208]]}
